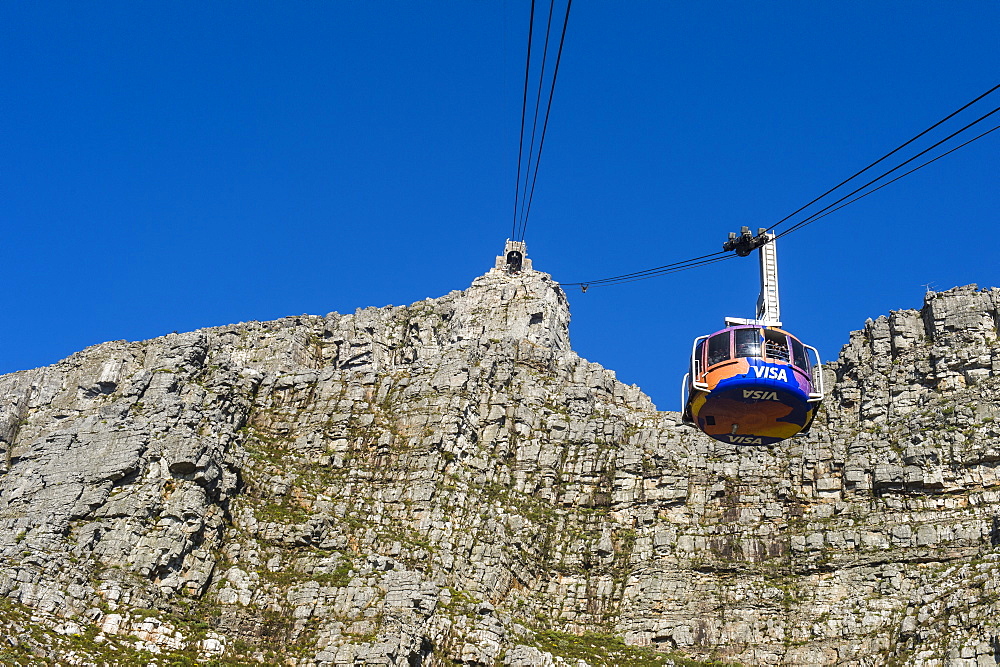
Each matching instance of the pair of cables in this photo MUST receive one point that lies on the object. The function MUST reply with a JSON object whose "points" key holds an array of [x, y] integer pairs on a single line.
{"points": [[854, 195], [528, 160], [850, 197]]}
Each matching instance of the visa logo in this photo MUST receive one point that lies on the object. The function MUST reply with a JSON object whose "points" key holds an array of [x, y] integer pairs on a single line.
{"points": [[745, 440], [760, 395], [771, 373]]}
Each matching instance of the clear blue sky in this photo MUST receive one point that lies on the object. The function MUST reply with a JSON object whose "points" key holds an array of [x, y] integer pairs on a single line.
{"points": [[171, 166]]}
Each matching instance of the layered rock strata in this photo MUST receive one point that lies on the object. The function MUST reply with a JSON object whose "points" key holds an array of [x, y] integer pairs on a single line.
{"points": [[449, 483]]}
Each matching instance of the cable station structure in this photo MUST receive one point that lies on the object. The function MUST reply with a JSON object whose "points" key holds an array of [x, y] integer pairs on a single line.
{"points": [[745, 242]]}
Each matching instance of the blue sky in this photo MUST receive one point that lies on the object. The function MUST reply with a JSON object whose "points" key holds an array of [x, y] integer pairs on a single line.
{"points": [[171, 166]]}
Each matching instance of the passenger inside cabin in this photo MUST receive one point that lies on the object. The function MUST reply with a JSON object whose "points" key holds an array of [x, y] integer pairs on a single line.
{"points": [[718, 348], [775, 345]]}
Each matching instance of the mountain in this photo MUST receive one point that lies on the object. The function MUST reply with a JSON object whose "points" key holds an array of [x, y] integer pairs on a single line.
{"points": [[449, 483]]}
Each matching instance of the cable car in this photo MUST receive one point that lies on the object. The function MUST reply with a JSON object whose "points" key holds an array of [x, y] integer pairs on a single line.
{"points": [[753, 383]]}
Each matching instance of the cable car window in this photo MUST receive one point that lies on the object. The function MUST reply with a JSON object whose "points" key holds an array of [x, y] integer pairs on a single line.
{"points": [[747, 342], [799, 357], [718, 348], [698, 350], [775, 345]]}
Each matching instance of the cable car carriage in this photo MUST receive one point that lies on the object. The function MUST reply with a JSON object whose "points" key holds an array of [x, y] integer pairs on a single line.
{"points": [[753, 383]]}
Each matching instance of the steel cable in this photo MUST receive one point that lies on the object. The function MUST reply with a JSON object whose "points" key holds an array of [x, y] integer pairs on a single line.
{"points": [[524, 106], [715, 257], [519, 233], [892, 152], [809, 219], [545, 124], [529, 161]]}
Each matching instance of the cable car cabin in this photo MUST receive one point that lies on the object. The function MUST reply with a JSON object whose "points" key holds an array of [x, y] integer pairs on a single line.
{"points": [[752, 385]]}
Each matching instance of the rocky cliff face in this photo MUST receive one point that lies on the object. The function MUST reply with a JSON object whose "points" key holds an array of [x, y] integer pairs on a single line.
{"points": [[448, 483]]}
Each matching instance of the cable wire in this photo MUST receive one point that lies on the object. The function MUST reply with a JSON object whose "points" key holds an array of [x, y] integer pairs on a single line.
{"points": [[528, 161], [822, 213], [893, 151], [678, 269], [519, 234], [545, 125], [803, 223], [809, 221], [524, 106], [658, 271], [653, 271]]}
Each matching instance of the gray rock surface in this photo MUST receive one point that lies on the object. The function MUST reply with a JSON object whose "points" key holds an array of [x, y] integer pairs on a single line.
{"points": [[449, 483]]}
